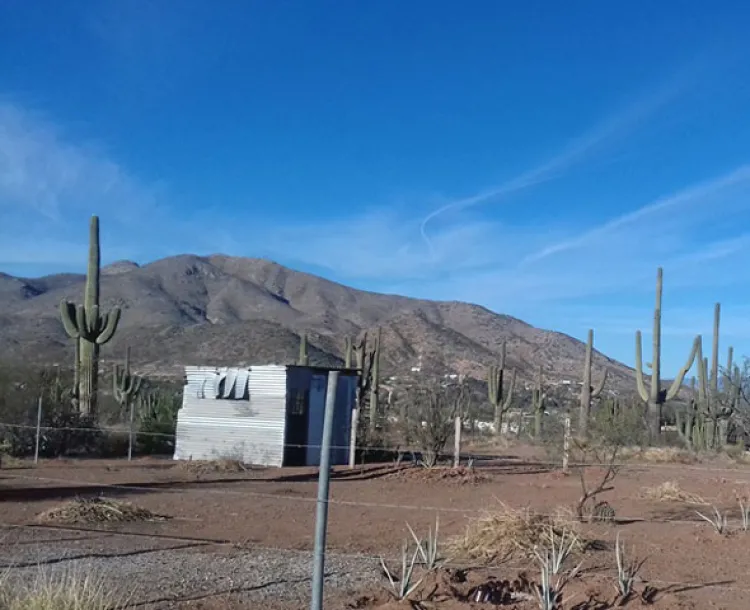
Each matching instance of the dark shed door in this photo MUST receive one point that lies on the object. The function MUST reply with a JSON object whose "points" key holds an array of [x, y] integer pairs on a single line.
{"points": [[297, 415]]}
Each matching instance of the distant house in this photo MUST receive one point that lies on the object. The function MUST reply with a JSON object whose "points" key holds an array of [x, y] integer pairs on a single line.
{"points": [[263, 415]]}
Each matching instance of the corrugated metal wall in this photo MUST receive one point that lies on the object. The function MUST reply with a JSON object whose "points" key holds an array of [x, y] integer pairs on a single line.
{"points": [[239, 413], [247, 425]]}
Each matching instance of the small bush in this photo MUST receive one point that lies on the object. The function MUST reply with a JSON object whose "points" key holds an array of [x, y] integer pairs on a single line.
{"points": [[68, 591], [502, 534], [670, 491]]}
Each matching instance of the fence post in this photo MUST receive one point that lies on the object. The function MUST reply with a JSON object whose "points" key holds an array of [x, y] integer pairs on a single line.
{"points": [[566, 443], [324, 477], [457, 442], [353, 438], [130, 431], [38, 429]]}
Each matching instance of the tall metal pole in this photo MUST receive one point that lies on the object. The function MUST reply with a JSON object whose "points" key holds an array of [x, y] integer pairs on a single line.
{"points": [[324, 476], [38, 429], [130, 431]]}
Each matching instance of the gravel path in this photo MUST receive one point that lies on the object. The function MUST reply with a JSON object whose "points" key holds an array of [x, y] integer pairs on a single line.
{"points": [[164, 572]]}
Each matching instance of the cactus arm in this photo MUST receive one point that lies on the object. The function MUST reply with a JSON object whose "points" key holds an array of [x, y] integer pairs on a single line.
{"points": [[715, 350], [109, 326], [347, 352], [640, 385], [69, 317], [511, 389], [596, 392], [493, 379], [677, 383]]}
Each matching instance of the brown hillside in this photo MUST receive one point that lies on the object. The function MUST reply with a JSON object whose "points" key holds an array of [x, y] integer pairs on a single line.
{"points": [[227, 310]]}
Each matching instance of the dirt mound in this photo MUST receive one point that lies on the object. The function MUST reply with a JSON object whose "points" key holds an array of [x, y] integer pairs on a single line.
{"points": [[212, 466], [97, 510], [459, 476]]}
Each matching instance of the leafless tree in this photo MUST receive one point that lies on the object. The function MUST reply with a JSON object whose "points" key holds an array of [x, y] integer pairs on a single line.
{"points": [[430, 410]]}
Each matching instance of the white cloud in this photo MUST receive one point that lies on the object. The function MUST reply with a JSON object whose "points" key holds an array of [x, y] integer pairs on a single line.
{"points": [[618, 125]]}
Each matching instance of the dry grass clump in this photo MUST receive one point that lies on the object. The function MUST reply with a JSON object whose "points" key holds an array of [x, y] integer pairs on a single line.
{"points": [[505, 533], [97, 510], [661, 455], [224, 466], [71, 590], [670, 491]]}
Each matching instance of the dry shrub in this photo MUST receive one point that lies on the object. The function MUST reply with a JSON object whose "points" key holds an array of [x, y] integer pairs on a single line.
{"points": [[506, 533], [660, 455], [670, 491], [97, 510], [458, 476], [71, 590], [224, 466]]}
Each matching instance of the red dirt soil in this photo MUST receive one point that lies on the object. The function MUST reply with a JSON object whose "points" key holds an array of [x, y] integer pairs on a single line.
{"points": [[688, 564]]}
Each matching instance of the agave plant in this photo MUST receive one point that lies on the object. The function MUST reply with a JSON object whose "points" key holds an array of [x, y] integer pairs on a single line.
{"points": [[403, 587], [428, 548]]}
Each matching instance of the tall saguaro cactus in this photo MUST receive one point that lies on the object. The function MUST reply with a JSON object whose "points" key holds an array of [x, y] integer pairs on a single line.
{"points": [[588, 392], [375, 383], [655, 397], [304, 356], [495, 379], [537, 404], [125, 385], [85, 324]]}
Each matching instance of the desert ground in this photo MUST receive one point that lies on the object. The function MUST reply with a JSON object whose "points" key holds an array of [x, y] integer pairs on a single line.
{"points": [[243, 538]]}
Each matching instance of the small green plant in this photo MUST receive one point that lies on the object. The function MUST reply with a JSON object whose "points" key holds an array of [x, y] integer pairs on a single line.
{"points": [[428, 548], [403, 587], [627, 571], [717, 520], [551, 560], [560, 548]]}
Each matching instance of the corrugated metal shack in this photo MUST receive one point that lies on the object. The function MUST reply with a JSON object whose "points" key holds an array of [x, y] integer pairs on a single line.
{"points": [[268, 415]]}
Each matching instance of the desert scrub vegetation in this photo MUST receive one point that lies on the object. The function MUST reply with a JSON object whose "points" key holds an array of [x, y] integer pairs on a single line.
{"points": [[670, 491], [97, 510], [68, 590], [505, 533]]}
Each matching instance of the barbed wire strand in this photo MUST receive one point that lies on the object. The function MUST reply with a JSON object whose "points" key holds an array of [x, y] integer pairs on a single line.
{"points": [[331, 501], [407, 450]]}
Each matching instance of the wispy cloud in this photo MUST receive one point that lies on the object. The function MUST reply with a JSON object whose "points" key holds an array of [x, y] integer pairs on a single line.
{"points": [[689, 197], [619, 125], [51, 181], [42, 171]]}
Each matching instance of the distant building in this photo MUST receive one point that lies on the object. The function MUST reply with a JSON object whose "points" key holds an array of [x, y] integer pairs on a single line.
{"points": [[268, 415]]}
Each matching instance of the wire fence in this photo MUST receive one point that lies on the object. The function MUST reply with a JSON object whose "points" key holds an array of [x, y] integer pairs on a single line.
{"points": [[469, 454], [205, 489]]}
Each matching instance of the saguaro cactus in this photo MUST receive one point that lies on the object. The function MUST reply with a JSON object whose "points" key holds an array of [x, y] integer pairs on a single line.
{"points": [[85, 324], [537, 404], [715, 405], [495, 377], [348, 352], [125, 385], [656, 397], [588, 392], [375, 384], [304, 356], [125, 388]]}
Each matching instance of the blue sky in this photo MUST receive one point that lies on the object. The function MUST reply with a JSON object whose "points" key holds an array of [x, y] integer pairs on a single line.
{"points": [[538, 158]]}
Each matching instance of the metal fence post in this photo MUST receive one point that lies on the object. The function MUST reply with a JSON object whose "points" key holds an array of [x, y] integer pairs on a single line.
{"points": [[324, 476], [38, 429], [130, 431]]}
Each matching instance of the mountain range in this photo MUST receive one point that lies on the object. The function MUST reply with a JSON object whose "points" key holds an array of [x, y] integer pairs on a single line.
{"points": [[227, 310]]}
